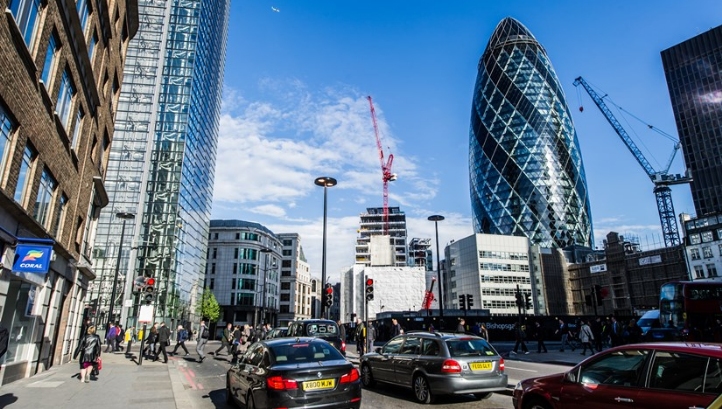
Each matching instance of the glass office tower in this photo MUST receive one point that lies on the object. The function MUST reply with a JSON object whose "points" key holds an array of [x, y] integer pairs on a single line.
{"points": [[162, 160], [525, 166], [694, 77]]}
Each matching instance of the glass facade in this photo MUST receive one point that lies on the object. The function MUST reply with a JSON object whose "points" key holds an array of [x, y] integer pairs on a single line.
{"points": [[694, 78], [162, 159], [525, 166]]}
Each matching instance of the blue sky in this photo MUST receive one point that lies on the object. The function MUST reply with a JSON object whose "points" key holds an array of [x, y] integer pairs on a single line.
{"points": [[295, 108]]}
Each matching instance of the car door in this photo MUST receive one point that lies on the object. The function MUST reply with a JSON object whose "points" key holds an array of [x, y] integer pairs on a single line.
{"points": [[680, 380], [247, 372], [382, 365], [610, 381], [405, 361]]}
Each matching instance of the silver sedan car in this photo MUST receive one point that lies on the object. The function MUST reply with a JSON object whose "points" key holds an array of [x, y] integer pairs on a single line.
{"points": [[434, 364]]}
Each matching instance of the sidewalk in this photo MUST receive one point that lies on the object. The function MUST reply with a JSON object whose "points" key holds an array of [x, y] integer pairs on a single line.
{"points": [[554, 356], [121, 384]]}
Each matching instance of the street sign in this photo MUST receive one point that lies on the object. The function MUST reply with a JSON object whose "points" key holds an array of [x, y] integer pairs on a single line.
{"points": [[128, 303], [146, 314]]}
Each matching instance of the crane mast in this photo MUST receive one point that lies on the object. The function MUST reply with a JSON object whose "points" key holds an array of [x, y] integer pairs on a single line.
{"points": [[386, 174], [661, 180]]}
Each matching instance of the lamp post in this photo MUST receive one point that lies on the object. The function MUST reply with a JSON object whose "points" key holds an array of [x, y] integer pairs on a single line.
{"points": [[326, 182], [436, 219], [265, 251], [125, 216]]}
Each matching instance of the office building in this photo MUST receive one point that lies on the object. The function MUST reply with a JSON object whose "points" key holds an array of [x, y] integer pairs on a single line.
{"points": [[703, 246], [162, 162], [373, 248], [243, 271], [61, 66], [692, 69], [295, 299], [525, 167]]}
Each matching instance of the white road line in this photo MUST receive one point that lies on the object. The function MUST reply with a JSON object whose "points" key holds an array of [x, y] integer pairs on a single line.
{"points": [[519, 369]]}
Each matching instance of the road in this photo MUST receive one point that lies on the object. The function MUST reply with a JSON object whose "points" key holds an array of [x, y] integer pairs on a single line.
{"points": [[204, 386]]}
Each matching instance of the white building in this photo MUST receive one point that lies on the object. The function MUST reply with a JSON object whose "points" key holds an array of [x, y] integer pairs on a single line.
{"points": [[380, 251], [488, 267], [295, 298], [703, 246]]}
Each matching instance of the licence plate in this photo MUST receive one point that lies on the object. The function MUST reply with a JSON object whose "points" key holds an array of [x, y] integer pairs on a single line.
{"points": [[319, 384], [481, 366]]}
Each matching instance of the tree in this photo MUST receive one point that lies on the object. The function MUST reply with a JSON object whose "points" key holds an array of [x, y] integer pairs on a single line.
{"points": [[209, 308]]}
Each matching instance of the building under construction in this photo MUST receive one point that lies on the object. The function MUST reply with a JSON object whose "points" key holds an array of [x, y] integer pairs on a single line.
{"points": [[420, 253], [373, 248]]}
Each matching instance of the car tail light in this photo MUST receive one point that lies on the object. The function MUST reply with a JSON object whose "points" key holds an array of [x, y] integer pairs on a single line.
{"points": [[279, 383], [343, 346], [501, 364], [351, 376], [450, 366]]}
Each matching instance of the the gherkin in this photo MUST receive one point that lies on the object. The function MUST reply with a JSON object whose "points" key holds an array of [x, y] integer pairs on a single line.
{"points": [[525, 166]]}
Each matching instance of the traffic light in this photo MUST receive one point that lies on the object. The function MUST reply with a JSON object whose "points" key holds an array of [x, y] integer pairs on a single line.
{"points": [[462, 301], [329, 296], [149, 290], [598, 294], [588, 300], [527, 301], [369, 289], [469, 301], [519, 301]]}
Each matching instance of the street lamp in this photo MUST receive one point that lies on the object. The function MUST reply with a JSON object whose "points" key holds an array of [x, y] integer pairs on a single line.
{"points": [[326, 182], [125, 216], [436, 219], [265, 278]]}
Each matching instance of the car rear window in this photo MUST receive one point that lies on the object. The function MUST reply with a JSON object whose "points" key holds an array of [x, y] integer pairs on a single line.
{"points": [[321, 330], [304, 352], [459, 347]]}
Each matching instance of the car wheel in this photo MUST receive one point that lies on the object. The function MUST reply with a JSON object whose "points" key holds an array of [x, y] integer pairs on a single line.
{"points": [[422, 391], [367, 378], [480, 396], [537, 403]]}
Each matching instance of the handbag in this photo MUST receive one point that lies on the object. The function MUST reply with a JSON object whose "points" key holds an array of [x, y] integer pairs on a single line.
{"points": [[99, 363]]}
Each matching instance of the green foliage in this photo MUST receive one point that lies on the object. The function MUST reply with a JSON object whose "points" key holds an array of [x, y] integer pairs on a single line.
{"points": [[209, 308]]}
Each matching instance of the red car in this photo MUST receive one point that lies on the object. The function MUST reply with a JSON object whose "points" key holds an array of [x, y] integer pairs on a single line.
{"points": [[656, 376]]}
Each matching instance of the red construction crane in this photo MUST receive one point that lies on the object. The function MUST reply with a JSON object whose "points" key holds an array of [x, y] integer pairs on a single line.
{"points": [[429, 296], [386, 174]]}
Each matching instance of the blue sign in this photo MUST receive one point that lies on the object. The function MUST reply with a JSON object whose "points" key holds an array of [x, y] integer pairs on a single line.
{"points": [[32, 258]]}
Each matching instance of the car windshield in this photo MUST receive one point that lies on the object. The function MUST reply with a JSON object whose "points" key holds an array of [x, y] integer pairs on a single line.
{"points": [[304, 352], [469, 347], [647, 322], [321, 330]]}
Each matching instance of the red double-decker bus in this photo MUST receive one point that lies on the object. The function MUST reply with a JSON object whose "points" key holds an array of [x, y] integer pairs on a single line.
{"points": [[692, 307]]}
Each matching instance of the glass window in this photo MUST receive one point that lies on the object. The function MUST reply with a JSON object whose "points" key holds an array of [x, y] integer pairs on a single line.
{"points": [[44, 201], [6, 131], [622, 368], [678, 372], [711, 270], [719, 234], [26, 13], [306, 352], [429, 347], [18, 319], [694, 253], [412, 346], [713, 380], [699, 272], [91, 45], [707, 252], [77, 128], [65, 98], [83, 13], [707, 236], [60, 216], [393, 346], [50, 59], [694, 239], [27, 162], [469, 347]]}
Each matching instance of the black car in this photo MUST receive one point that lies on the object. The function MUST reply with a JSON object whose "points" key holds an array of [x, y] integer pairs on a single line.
{"points": [[325, 329], [278, 332], [434, 364], [293, 372]]}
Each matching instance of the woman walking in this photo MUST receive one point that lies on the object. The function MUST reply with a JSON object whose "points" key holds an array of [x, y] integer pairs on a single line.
{"points": [[586, 336], [89, 351]]}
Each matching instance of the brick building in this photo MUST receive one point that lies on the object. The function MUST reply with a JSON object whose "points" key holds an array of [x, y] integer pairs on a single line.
{"points": [[61, 67]]}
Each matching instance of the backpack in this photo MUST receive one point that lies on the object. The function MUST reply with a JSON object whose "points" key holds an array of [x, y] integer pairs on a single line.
{"points": [[205, 333], [183, 336]]}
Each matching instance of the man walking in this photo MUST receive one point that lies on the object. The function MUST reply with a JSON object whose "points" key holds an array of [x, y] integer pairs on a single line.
{"points": [[181, 338], [462, 326], [395, 328], [563, 330], [227, 340], [360, 337], [110, 339], [520, 335], [163, 341], [539, 334], [202, 339], [586, 336], [341, 330]]}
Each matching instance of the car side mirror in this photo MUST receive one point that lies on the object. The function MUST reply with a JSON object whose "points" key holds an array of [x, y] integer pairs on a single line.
{"points": [[570, 377], [377, 350]]}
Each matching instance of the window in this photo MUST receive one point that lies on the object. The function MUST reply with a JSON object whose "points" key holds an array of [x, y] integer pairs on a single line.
{"points": [[26, 13], [247, 284], [25, 166], [235, 253], [694, 253], [429, 347], [678, 372], [711, 270], [622, 368], [707, 237], [213, 268], [44, 201], [412, 346], [91, 45], [393, 346], [694, 239], [285, 286], [6, 131], [65, 98], [215, 252], [707, 252], [699, 272], [50, 59], [235, 268], [77, 128], [286, 263], [60, 217], [83, 13], [287, 252], [212, 283]]}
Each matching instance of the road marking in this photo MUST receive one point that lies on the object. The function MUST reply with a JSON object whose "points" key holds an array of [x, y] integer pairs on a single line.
{"points": [[519, 369]]}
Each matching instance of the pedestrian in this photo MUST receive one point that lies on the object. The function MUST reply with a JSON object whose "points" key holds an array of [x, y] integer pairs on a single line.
{"points": [[244, 334], [539, 335], [203, 335], [476, 329], [226, 340], [484, 333], [119, 337], [519, 334], [180, 340], [341, 330], [129, 339], [586, 337], [110, 338], [597, 330], [89, 351], [163, 342], [370, 336], [634, 332], [431, 328], [150, 342], [235, 340], [461, 327], [395, 327], [360, 337], [616, 332], [563, 331]]}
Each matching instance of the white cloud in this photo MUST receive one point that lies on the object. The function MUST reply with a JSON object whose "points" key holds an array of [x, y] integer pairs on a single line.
{"points": [[269, 210]]}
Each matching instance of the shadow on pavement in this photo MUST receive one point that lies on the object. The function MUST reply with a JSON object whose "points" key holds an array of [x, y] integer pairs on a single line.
{"points": [[396, 392], [7, 399], [218, 398]]}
